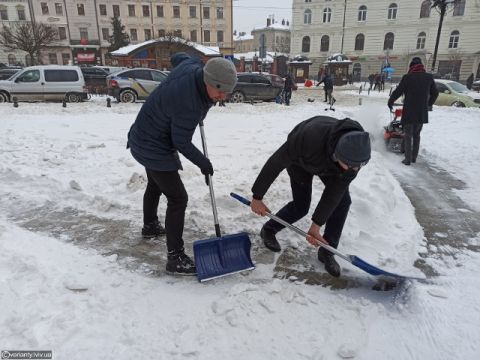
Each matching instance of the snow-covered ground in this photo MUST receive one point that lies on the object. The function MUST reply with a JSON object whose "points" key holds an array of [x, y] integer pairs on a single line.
{"points": [[81, 304]]}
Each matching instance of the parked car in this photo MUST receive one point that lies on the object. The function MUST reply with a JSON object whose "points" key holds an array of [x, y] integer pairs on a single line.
{"points": [[134, 84], [44, 83], [452, 93], [276, 80], [110, 69], [252, 86], [95, 79], [8, 72], [476, 85]]}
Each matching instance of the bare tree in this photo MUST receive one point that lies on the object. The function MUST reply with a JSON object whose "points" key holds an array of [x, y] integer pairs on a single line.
{"points": [[29, 37]]}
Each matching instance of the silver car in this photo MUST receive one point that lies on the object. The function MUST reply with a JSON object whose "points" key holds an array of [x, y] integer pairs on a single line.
{"points": [[134, 84]]}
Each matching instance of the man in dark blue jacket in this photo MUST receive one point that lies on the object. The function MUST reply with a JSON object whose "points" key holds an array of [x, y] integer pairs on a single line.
{"points": [[163, 128], [334, 150]]}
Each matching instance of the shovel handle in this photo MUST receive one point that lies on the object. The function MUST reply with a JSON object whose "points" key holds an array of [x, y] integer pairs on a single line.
{"points": [[291, 227]]}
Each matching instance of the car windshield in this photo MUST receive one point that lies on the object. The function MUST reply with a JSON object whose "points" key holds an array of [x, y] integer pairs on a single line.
{"points": [[458, 87]]}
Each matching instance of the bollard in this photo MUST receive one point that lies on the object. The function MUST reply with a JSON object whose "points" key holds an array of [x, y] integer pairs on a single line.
{"points": [[109, 102], [360, 101], [64, 102], [15, 101]]}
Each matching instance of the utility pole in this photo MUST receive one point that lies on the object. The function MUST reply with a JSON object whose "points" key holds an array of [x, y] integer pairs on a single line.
{"points": [[441, 6], [343, 26]]}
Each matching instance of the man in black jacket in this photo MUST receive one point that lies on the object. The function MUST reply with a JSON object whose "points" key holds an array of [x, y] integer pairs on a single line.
{"points": [[328, 88], [164, 127], [420, 95], [334, 150]]}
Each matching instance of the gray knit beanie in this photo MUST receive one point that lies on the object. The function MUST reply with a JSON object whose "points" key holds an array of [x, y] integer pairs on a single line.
{"points": [[353, 148], [221, 74]]}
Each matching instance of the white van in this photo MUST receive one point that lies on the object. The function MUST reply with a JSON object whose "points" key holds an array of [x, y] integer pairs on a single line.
{"points": [[45, 83]]}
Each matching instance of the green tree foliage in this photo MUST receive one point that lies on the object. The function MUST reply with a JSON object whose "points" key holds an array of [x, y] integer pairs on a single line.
{"points": [[119, 37]]}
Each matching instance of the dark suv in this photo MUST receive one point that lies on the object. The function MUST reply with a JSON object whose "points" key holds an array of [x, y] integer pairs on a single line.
{"points": [[95, 80], [7, 72], [252, 86]]}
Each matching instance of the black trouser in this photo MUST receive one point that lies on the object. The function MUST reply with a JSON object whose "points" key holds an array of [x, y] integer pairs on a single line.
{"points": [[170, 184], [412, 140], [288, 96], [301, 183]]}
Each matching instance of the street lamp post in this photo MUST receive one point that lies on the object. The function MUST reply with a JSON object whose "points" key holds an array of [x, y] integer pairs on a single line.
{"points": [[441, 6]]}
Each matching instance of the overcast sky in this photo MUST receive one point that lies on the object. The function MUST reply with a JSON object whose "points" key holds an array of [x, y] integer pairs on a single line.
{"points": [[250, 13]]}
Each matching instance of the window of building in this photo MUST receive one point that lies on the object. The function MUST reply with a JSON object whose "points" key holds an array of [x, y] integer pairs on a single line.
{"points": [[81, 9], [103, 9], [148, 34], [65, 59], [327, 15], [21, 13], [220, 36], [12, 60], [52, 58], [193, 35], [307, 16], [425, 9], [453, 41], [193, 11], [133, 34], [362, 13], [177, 33], [459, 8], [44, 7], [161, 33], [219, 12], [176, 12], [206, 35], [146, 10], [308, 1], [306, 44], [59, 9], [116, 10], [159, 10], [105, 34], [62, 33], [359, 42], [392, 11], [325, 43], [388, 41], [3, 13], [206, 12], [131, 10], [84, 33], [421, 40]]}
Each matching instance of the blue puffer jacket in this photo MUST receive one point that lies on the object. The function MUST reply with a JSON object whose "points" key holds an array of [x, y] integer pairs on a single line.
{"points": [[169, 117]]}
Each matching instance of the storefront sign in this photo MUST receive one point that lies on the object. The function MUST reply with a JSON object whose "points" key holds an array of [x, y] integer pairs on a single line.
{"points": [[89, 57]]}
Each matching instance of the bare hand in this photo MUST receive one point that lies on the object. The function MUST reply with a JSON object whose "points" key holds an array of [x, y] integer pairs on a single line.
{"points": [[314, 235], [259, 208]]}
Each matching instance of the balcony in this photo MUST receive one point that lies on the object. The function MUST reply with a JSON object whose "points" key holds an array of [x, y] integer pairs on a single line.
{"points": [[89, 42]]}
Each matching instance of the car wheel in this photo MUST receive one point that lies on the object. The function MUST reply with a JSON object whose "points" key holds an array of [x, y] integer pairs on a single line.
{"points": [[458, 104], [3, 97], [74, 98], [128, 96], [237, 97]]}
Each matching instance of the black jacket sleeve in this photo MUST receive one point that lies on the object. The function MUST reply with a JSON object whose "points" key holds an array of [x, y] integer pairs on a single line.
{"points": [[331, 196], [279, 161], [399, 91], [433, 94]]}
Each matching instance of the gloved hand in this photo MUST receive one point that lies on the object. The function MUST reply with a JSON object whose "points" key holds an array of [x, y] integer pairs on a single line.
{"points": [[206, 170]]}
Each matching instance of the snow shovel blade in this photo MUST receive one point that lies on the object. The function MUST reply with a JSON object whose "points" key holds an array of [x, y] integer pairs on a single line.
{"points": [[222, 256], [373, 270]]}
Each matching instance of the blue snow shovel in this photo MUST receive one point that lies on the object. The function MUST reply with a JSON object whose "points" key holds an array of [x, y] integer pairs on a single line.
{"points": [[355, 260], [223, 255]]}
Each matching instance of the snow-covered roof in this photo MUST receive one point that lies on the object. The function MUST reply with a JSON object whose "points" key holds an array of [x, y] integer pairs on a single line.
{"points": [[244, 37], [339, 58], [275, 26], [249, 56], [127, 50]]}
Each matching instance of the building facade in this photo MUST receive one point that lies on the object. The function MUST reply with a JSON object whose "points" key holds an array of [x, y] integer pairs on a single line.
{"points": [[243, 43], [84, 26], [11, 13], [274, 37], [379, 32]]}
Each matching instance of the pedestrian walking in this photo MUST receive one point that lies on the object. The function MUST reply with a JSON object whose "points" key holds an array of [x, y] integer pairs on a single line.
{"points": [[163, 128], [334, 150], [420, 93]]}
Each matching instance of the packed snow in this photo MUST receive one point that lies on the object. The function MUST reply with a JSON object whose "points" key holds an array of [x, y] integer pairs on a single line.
{"points": [[83, 304]]}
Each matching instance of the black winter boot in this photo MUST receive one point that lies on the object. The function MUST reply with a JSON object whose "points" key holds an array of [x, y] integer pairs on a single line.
{"points": [[152, 230], [270, 240], [180, 264], [328, 259]]}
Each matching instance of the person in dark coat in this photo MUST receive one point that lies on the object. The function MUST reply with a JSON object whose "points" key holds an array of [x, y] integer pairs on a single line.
{"points": [[470, 82], [420, 93], [163, 128], [287, 88], [327, 87], [334, 150], [371, 79]]}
